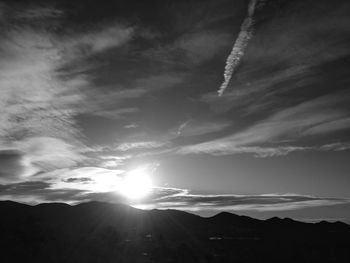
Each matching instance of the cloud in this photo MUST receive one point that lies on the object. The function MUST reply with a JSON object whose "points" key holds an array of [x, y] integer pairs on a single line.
{"points": [[47, 80], [141, 145], [12, 166], [81, 180], [34, 100], [91, 179], [173, 198], [131, 126], [239, 47], [70, 185], [38, 12], [113, 162], [116, 114], [195, 128], [35, 192], [337, 146], [28, 13], [289, 124], [95, 41], [332, 126], [228, 148], [66, 185], [79, 189], [37, 106], [21, 160], [254, 94], [287, 56], [40, 97], [49, 153]]}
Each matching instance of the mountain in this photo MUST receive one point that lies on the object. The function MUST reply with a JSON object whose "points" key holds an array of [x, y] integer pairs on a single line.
{"points": [[103, 232]]}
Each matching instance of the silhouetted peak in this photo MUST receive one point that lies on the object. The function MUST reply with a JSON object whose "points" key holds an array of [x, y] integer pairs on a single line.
{"points": [[172, 213], [224, 215], [9, 202], [284, 221], [93, 203], [100, 204], [274, 219], [231, 216], [337, 224], [12, 204], [53, 205]]}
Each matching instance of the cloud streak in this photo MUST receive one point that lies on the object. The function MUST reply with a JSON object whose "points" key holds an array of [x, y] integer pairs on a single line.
{"points": [[314, 117], [183, 199], [74, 187], [239, 47]]}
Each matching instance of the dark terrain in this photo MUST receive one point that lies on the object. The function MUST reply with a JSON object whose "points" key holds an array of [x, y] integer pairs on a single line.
{"points": [[103, 232]]}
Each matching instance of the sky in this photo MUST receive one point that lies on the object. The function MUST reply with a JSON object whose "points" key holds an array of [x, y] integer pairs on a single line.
{"points": [[227, 105]]}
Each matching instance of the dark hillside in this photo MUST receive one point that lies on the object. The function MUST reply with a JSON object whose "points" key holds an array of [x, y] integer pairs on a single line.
{"points": [[103, 232]]}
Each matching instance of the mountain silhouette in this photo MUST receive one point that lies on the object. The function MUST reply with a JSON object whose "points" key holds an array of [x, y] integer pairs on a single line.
{"points": [[105, 232]]}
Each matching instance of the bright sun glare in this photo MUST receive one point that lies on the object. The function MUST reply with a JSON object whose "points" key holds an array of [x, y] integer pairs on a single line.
{"points": [[136, 184]]}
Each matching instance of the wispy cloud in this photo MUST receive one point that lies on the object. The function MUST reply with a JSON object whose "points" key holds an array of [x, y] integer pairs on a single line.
{"points": [[29, 13], [74, 187], [328, 127], [182, 127], [39, 99], [337, 146], [195, 128], [255, 94], [34, 101], [37, 106], [312, 117], [38, 12], [23, 159], [140, 145], [95, 41], [116, 114], [183, 199], [113, 161]]}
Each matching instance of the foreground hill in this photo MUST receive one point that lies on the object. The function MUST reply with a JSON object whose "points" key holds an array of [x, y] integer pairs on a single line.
{"points": [[103, 232]]}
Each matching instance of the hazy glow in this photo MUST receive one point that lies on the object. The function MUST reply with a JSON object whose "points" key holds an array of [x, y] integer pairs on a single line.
{"points": [[136, 184]]}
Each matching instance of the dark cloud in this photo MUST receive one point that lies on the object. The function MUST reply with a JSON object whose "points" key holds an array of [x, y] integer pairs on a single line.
{"points": [[11, 165], [38, 191], [79, 180], [24, 188], [34, 192], [183, 199]]}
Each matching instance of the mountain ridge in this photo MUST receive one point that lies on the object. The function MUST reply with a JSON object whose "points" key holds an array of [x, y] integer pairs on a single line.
{"points": [[221, 214], [108, 232]]}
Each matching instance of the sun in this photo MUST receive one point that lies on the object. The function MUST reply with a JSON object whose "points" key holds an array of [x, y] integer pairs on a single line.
{"points": [[136, 184]]}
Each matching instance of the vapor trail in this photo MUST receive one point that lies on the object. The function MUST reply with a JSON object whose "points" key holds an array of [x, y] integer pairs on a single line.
{"points": [[239, 47]]}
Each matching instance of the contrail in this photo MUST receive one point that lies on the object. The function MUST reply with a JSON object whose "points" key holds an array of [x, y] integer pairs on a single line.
{"points": [[182, 126], [239, 47]]}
